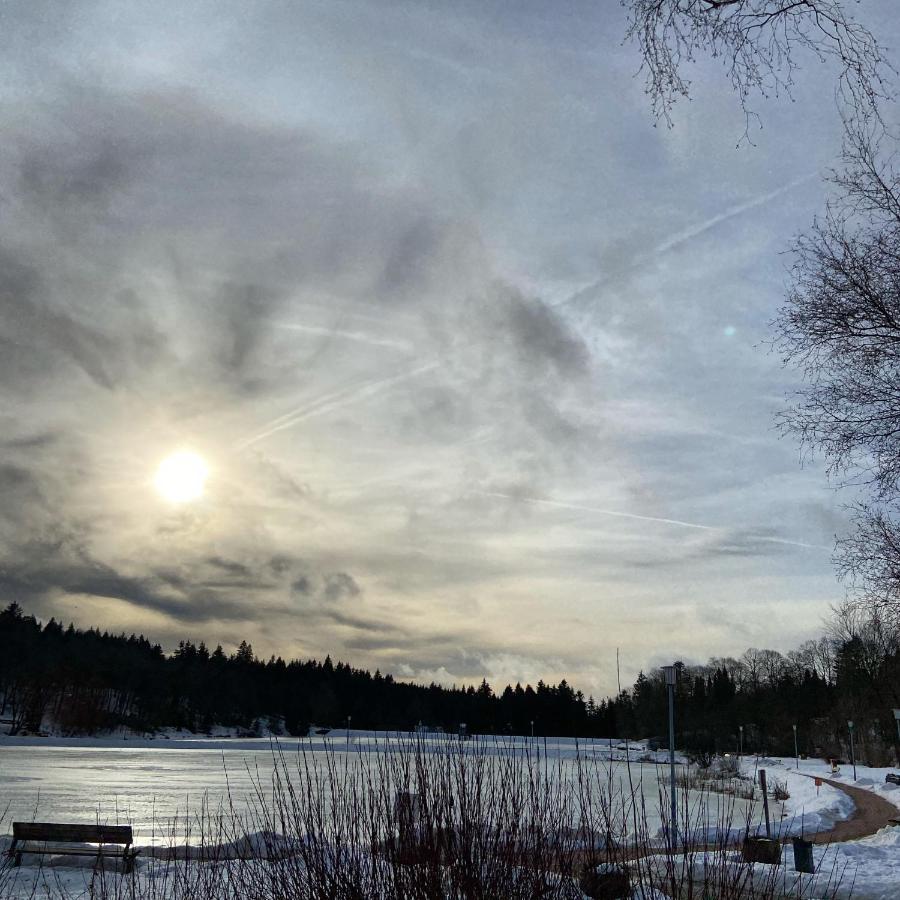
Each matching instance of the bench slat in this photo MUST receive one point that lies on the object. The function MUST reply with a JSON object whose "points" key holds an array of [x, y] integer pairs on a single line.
{"points": [[88, 834], [53, 850]]}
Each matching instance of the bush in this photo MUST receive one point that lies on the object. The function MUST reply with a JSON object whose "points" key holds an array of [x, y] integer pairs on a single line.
{"points": [[779, 790]]}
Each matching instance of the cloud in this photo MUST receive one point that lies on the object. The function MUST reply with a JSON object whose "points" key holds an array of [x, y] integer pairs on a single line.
{"points": [[343, 292], [340, 586]]}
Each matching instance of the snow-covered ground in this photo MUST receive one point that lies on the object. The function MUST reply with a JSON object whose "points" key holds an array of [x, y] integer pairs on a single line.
{"points": [[870, 867], [147, 781]]}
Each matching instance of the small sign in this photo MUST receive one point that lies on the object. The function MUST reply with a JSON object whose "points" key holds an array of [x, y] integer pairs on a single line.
{"points": [[897, 714], [818, 782]]}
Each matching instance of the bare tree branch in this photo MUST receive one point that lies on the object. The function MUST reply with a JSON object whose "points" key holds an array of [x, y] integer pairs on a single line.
{"points": [[759, 43]]}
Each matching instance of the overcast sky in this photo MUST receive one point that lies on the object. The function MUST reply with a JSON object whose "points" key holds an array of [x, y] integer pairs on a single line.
{"points": [[476, 354]]}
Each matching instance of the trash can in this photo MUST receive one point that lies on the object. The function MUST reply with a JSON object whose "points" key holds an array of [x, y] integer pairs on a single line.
{"points": [[761, 850], [803, 856]]}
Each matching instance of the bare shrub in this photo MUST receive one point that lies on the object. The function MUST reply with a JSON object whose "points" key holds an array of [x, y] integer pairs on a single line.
{"points": [[780, 791]]}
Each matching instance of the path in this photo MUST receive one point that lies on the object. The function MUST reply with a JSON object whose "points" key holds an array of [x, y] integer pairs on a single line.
{"points": [[872, 813]]}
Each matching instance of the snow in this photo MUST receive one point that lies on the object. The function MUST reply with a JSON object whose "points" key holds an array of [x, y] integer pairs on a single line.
{"points": [[147, 780], [869, 869]]}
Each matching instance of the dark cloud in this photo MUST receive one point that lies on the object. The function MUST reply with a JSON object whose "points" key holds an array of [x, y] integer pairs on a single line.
{"points": [[33, 442], [229, 566], [340, 586], [58, 571], [85, 174], [358, 623], [543, 338]]}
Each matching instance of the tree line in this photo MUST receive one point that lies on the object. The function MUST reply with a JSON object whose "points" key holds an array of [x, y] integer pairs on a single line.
{"points": [[90, 681]]}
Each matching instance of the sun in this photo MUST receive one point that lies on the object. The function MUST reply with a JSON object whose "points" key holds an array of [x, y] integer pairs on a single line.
{"points": [[181, 477]]}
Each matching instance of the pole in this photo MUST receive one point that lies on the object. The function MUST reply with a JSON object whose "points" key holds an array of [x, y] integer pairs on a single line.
{"points": [[348, 730], [532, 729], [898, 731], [796, 751], [852, 754], [897, 720], [765, 795], [670, 683], [740, 744]]}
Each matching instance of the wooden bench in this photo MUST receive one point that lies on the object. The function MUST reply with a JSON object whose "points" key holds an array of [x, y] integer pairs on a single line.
{"points": [[44, 833]]}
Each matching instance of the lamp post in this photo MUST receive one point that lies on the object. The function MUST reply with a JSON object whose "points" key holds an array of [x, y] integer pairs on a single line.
{"points": [[348, 730], [852, 754], [532, 729], [796, 751], [740, 744], [670, 684]]}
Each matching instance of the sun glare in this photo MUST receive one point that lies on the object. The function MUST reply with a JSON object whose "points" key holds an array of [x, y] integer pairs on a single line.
{"points": [[181, 477]]}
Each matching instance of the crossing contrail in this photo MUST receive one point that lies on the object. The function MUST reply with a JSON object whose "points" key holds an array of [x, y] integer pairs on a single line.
{"points": [[679, 523], [333, 401]]}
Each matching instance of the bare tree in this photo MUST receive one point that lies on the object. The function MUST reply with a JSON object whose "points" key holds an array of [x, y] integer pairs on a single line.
{"points": [[869, 561], [841, 326], [759, 43], [825, 659]]}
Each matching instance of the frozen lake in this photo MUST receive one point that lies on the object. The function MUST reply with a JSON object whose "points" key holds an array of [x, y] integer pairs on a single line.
{"points": [[148, 783]]}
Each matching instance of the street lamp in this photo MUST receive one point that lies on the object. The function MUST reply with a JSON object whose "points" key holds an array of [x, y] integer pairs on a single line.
{"points": [[740, 744], [348, 730], [796, 751], [670, 684], [532, 729], [852, 754]]}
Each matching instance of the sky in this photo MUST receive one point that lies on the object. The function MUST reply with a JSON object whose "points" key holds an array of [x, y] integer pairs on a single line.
{"points": [[476, 352]]}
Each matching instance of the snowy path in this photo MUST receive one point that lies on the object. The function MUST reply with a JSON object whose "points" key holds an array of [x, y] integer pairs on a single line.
{"points": [[872, 813]]}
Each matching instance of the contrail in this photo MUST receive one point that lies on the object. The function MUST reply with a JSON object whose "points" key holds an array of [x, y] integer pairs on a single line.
{"points": [[360, 336], [701, 228], [534, 501], [331, 402], [730, 213]]}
